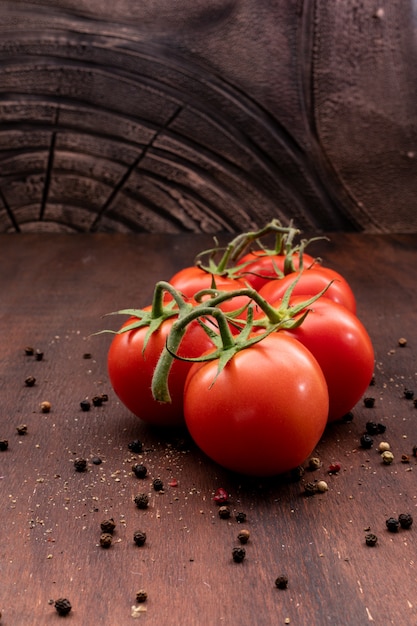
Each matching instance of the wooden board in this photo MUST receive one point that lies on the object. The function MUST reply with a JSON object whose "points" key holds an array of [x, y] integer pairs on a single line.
{"points": [[54, 291]]}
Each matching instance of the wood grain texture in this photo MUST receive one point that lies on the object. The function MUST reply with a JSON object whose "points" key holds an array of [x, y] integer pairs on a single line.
{"points": [[55, 290], [207, 117]]}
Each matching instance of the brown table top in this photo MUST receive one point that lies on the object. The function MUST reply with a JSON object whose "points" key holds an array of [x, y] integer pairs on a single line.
{"points": [[54, 291]]}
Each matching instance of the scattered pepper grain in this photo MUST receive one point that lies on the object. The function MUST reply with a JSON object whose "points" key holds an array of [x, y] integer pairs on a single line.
{"points": [[405, 520], [402, 342], [46, 406], [97, 401], [135, 446], [141, 595], [224, 512], [80, 464], [314, 463], [281, 582], [4, 444], [369, 402], [371, 539], [62, 606], [366, 441], [157, 484], [371, 428], [139, 470], [244, 536], [310, 488], [139, 537], [384, 446], [30, 381], [387, 457], [238, 554], [241, 517], [221, 496], [392, 524], [22, 429], [322, 486], [142, 500], [334, 468], [108, 525], [85, 405], [106, 540]]}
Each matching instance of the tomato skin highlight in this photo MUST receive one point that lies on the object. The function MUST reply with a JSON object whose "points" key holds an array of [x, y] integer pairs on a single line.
{"points": [[343, 349], [263, 267], [130, 370], [312, 282], [266, 410]]}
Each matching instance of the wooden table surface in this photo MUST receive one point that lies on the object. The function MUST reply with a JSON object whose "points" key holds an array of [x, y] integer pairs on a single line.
{"points": [[54, 291]]}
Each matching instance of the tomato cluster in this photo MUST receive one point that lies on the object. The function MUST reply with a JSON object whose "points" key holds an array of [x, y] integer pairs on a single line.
{"points": [[255, 355]]}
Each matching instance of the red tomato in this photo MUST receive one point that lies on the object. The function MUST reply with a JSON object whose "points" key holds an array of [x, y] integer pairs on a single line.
{"points": [[266, 410], [192, 279], [310, 283], [265, 267], [130, 370], [343, 349]]}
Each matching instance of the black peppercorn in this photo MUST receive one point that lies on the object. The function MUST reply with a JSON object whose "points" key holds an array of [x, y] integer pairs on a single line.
{"points": [[405, 520], [4, 444], [80, 465], [366, 441], [224, 512], [135, 446], [30, 381], [96, 460], [38, 355], [108, 525], [369, 402], [381, 428], [238, 554], [139, 470], [141, 596], [22, 429], [97, 401], [139, 537], [371, 539], [63, 606], [106, 540], [85, 405], [281, 582], [372, 428], [392, 524], [348, 417], [142, 500], [158, 485], [104, 397], [29, 351], [240, 517], [408, 394]]}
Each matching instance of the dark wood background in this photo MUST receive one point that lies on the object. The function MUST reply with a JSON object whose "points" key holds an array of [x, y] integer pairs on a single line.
{"points": [[207, 117], [54, 291]]}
